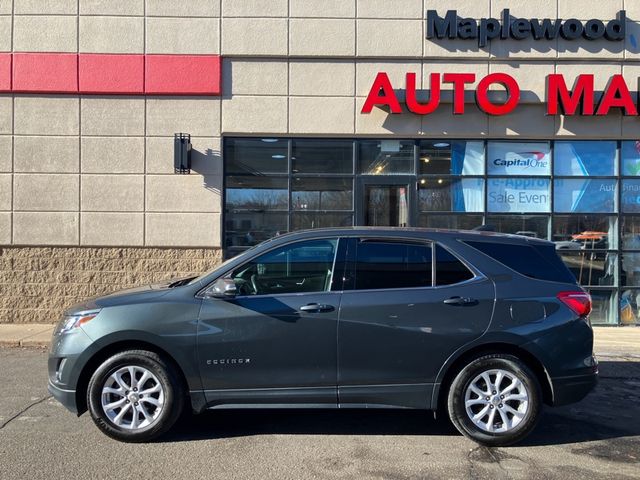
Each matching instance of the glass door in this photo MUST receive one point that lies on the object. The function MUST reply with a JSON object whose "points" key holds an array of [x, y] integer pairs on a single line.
{"points": [[386, 202]]}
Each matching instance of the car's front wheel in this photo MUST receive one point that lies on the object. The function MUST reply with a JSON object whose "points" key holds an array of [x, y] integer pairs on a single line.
{"points": [[135, 396], [495, 400]]}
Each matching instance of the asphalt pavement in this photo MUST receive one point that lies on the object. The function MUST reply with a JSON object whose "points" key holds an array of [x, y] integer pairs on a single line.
{"points": [[597, 438]]}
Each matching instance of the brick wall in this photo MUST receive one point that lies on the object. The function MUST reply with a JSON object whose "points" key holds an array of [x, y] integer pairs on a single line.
{"points": [[38, 283]]}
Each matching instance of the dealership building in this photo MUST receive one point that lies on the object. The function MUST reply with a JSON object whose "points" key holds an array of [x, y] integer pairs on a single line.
{"points": [[143, 139]]}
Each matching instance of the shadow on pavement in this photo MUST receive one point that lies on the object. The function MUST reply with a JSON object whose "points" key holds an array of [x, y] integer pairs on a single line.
{"points": [[611, 411]]}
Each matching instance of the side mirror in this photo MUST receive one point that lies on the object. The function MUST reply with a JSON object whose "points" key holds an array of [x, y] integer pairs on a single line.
{"points": [[222, 288]]}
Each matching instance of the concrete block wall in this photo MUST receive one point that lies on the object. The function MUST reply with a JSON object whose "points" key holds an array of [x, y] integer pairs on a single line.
{"points": [[82, 173], [39, 283]]}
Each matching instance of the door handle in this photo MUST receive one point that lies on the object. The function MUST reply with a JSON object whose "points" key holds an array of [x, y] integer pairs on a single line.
{"points": [[317, 308], [460, 301]]}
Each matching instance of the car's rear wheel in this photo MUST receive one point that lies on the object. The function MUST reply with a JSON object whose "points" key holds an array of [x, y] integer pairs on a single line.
{"points": [[495, 400], [135, 396]]}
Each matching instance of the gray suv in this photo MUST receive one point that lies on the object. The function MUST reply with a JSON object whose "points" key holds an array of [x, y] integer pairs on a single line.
{"points": [[487, 327]]}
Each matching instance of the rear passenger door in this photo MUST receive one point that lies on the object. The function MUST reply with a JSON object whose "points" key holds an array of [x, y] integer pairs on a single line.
{"points": [[407, 306]]}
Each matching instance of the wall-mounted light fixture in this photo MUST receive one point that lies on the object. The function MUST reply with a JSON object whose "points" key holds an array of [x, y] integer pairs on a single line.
{"points": [[182, 153]]}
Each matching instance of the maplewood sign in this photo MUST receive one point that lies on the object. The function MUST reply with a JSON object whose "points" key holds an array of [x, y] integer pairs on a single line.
{"points": [[560, 99]]}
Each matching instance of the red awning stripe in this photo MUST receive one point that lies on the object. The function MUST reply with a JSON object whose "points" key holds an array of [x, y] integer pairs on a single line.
{"points": [[110, 74]]}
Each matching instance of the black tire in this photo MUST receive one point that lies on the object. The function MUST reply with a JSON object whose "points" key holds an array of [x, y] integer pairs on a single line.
{"points": [[168, 378], [462, 381]]}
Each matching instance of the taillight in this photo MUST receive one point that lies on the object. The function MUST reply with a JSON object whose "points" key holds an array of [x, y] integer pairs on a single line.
{"points": [[578, 302]]}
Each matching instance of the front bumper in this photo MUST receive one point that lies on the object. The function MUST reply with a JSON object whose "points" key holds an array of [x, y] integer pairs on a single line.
{"points": [[66, 397], [568, 390]]}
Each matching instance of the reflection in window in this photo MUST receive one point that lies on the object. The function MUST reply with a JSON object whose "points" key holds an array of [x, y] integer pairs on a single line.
{"points": [[630, 197], [518, 195], [312, 193], [451, 158], [629, 307], [592, 268], [257, 193], [450, 222], [451, 195], [322, 156], [516, 158], [631, 232], [631, 158], [245, 229], [307, 220], [604, 306], [584, 158], [253, 156], [534, 226], [576, 232], [385, 157], [585, 195]]}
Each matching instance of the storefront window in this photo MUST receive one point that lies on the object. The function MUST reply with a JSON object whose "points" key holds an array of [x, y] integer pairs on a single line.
{"points": [[518, 195], [604, 306], [585, 158], [631, 232], [630, 196], [312, 193], [575, 232], [511, 158], [535, 226], [257, 193], [253, 156], [585, 195], [322, 156], [629, 307], [306, 220], [274, 185], [592, 268], [245, 229], [451, 158], [450, 195], [631, 158], [385, 157]]}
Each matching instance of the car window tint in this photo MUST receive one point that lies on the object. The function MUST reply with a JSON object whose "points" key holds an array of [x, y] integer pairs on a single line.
{"points": [[449, 269], [392, 265], [297, 268], [539, 262]]}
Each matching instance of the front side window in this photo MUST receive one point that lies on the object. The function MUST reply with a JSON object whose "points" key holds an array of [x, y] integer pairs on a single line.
{"points": [[297, 268], [387, 264]]}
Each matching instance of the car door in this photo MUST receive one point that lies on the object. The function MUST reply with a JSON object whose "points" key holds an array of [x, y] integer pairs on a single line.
{"points": [[275, 341], [400, 319]]}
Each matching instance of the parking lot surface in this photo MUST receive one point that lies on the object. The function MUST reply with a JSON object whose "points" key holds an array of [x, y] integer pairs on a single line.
{"points": [[597, 438]]}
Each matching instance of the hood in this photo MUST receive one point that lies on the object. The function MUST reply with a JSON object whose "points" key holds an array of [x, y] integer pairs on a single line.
{"points": [[129, 295]]}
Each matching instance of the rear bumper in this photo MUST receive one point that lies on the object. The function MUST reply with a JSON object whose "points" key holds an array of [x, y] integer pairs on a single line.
{"points": [[568, 390], [66, 397]]}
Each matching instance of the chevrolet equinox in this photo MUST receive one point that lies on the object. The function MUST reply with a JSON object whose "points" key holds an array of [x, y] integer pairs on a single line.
{"points": [[487, 327]]}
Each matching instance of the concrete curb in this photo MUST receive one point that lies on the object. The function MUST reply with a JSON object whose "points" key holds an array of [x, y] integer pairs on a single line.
{"points": [[29, 335]]}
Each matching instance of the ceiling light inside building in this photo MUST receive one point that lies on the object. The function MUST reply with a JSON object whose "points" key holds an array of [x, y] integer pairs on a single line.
{"points": [[441, 145]]}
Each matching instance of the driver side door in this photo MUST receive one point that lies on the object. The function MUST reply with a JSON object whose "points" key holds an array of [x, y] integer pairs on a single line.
{"points": [[276, 340]]}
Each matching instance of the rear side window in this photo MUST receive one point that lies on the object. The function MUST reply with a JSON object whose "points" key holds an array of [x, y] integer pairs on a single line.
{"points": [[392, 265], [540, 262], [449, 269]]}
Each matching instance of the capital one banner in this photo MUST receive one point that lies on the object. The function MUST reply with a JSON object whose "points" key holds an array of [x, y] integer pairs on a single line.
{"points": [[531, 159]]}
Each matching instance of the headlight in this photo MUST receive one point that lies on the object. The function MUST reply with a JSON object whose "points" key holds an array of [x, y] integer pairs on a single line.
{"points": [[70, 322]]}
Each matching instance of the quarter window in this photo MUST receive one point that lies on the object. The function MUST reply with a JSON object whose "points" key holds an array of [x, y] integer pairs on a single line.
{"points": [[449, 269], [382, 264], [297, 268]]}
